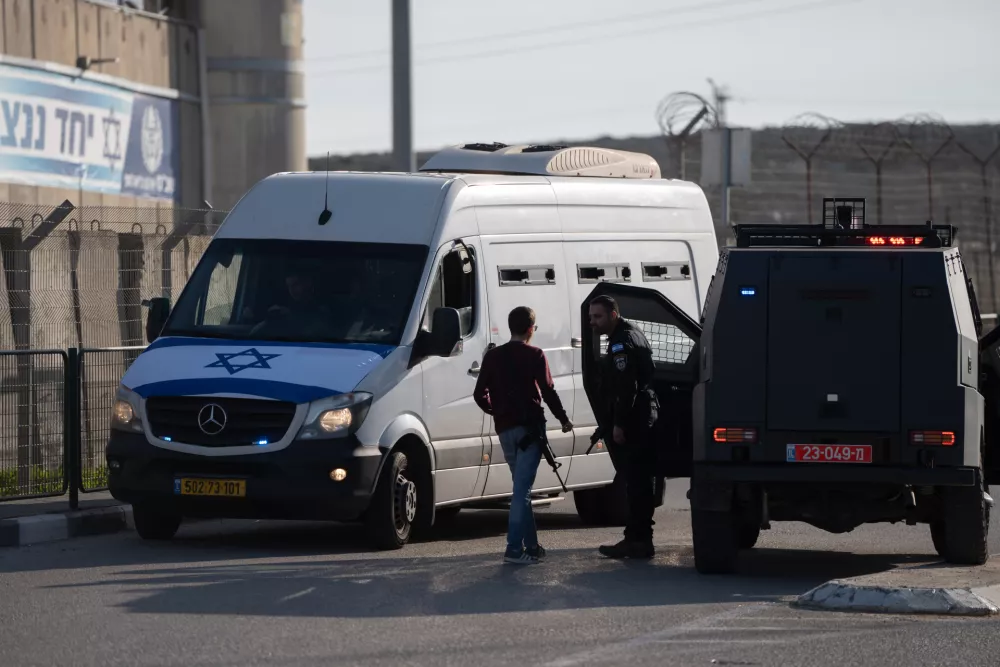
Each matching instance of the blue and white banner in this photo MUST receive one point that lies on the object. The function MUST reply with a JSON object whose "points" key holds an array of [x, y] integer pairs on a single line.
{"points": [[60, 131]]}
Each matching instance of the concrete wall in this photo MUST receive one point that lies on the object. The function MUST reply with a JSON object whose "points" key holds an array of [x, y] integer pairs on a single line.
{"points": [[256, 87], [152, 51]]}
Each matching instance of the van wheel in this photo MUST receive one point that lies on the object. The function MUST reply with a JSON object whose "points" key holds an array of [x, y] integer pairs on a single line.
{"points": [[588, 506], [604, 506], [966, 524], [389, 520], [715, 536], [154, 525], [614, 502]]}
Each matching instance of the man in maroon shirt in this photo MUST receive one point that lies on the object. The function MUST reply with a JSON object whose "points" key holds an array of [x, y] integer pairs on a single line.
{"points": [[513, 380]]}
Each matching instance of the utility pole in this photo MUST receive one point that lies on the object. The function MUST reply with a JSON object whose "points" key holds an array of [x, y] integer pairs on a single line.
{"points": [[721, 97], [403, 158]]}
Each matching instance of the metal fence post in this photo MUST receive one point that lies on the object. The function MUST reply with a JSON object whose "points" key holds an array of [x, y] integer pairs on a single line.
{"points": [[72, 401]]}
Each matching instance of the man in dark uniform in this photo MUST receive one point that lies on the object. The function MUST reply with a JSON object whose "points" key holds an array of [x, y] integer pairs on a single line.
{"points": [[630, 408]]}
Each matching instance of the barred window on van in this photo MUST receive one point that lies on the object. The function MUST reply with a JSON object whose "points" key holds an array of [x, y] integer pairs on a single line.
{"points": [[539, 274]]}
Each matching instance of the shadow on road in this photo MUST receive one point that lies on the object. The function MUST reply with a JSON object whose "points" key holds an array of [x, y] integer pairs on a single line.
{"points": [[399, 587]]}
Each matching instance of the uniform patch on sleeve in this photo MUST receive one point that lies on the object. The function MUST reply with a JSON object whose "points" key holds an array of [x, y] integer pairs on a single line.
{"points": [[621, 361], [617, 347]]}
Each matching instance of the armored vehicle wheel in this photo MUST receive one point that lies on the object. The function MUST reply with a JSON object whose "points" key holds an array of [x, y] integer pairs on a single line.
{"points": [[154, 525], [748, 533], [966, 524], [716, 538], [389, 519], [938, 538]]}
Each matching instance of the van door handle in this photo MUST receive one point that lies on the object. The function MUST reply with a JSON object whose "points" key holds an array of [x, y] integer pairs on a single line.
{"points": [[475, 368], [576, 342]]}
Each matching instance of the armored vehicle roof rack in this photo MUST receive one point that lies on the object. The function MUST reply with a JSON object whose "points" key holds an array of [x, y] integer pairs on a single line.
{"points": [[844, 226]]}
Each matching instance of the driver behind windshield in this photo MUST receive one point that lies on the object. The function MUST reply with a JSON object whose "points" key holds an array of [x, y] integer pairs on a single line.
{"points": [[303, 314]]}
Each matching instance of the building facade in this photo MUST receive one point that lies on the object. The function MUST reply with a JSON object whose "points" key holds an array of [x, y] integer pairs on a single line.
{"points": [[148, 102]]}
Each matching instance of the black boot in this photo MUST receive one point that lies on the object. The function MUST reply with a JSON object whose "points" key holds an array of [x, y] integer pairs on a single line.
{"points": [[628, 549]]}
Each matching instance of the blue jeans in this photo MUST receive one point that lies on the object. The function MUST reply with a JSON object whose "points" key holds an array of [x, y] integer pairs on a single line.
{"points": [[523, 465]]}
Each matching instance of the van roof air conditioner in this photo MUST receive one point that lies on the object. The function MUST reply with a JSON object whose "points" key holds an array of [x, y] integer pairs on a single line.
{"points": [[543, 160]]}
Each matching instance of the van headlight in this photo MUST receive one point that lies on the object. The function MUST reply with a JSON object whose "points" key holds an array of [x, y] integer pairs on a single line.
{"points": [[125, 412], [335, 416]]}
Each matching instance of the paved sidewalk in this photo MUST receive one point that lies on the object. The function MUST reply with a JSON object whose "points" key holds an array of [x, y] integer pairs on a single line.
{"points": [[49, 519]]}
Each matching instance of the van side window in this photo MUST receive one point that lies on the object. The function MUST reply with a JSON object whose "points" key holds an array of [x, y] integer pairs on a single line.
{"points": [[454, 286], [656, 271], [603, 273], [541, 274]]}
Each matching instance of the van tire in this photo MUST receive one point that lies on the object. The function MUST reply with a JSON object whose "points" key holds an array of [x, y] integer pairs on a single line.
{"points": [[152, 524], [588, 506], [389, 519], [966, 524], [603, 506], [715, 537], [614, 502]]}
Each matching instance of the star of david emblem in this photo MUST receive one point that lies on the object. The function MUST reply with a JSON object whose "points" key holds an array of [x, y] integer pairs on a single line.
{"points": [[231, 361]]}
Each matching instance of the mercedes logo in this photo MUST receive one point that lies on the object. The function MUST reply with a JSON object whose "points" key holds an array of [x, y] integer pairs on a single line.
{"points": [[212, 419]]}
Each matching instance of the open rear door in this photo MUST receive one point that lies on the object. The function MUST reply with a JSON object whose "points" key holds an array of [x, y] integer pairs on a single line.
{"points": [[989, 387], [675, 339]]}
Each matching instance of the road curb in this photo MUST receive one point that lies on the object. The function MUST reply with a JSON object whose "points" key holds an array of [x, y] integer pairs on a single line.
{"points": [[21, 531], [845, 596]]}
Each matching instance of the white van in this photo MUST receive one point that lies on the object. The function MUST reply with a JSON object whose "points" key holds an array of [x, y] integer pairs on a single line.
{"points": [[320, 362]]}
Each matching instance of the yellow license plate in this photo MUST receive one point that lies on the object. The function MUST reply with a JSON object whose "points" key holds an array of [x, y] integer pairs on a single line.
{"points": [[226, 488]]}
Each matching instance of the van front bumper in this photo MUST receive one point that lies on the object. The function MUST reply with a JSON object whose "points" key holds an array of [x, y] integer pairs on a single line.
{"points": [[292, 483]]}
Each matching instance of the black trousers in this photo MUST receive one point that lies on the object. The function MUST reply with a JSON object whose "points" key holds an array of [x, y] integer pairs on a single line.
{"points": [[636, 460]]}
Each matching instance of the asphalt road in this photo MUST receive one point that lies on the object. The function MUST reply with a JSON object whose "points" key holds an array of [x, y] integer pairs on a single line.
{"points": [[246, 593]]}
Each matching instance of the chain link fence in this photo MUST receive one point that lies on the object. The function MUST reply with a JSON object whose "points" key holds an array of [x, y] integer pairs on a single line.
{"points": [[910, 170], [76, 278]]}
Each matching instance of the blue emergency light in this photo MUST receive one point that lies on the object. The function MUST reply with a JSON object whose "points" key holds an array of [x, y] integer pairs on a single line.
{"points": [[748, 291]]}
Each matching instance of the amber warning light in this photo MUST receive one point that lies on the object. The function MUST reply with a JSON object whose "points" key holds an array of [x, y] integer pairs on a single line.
{"points": [[895, 240]]}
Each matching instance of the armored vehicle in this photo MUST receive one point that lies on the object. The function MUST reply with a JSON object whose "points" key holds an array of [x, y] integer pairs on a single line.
{"points": [[838, 376]]}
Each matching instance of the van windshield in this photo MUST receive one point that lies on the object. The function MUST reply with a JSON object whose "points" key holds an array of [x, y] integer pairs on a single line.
{"points": [[301, 291]]}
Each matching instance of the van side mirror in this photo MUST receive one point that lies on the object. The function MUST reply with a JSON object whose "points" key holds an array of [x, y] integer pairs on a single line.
{"points": [[443, 340], [159, 311], [446, 332]]}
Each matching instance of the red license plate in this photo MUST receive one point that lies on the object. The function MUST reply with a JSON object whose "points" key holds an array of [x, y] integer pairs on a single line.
{"points": [[828, 453]]}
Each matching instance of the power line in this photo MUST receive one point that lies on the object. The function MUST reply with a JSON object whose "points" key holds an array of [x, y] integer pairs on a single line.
{"points": [[547, 30], [493, 53]]}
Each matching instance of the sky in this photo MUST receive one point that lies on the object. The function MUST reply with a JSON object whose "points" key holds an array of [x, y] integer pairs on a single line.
{"points": [[522, 71]]}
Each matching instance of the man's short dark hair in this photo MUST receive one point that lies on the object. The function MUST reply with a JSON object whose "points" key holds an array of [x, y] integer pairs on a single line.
{"points": [[607, 302], [521, 320]]}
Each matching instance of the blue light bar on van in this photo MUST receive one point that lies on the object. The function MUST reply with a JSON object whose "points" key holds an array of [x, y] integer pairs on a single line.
{"points": [[748, 291], [260, 443]]}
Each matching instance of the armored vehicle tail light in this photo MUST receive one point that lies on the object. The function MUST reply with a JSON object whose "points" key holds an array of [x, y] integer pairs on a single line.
{"points": [[895, 240], [945, 438], [735, 435]]}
